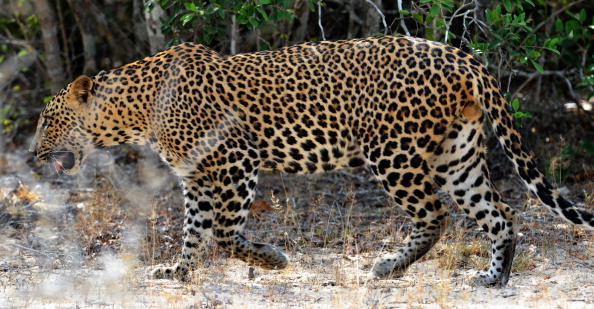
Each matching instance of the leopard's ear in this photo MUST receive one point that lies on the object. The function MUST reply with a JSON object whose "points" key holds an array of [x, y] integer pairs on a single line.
{"points": [[80, 92]]}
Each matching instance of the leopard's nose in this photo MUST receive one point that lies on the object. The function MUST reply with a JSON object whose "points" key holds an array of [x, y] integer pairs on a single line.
{"points": [[33, 148]]}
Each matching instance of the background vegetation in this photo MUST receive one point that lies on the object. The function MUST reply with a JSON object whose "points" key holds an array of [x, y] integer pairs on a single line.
{"points": [[541, 51]]}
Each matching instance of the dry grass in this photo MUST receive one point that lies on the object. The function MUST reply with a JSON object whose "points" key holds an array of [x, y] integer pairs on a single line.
{"points": [[88, 246]]}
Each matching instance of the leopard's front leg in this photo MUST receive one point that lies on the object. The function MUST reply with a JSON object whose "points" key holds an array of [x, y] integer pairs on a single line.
{"points": [[198, 222], [233, 203]]}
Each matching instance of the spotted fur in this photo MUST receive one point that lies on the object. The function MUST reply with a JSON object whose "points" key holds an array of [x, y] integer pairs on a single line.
{"points": [[411, 109]]}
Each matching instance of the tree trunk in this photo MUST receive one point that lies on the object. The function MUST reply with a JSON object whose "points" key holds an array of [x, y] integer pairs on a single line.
{"points": [[233, 36], [354, 20], [82, 14], [141, 37], [153, 28], [373, 19], [302, 20], [49, 29]]}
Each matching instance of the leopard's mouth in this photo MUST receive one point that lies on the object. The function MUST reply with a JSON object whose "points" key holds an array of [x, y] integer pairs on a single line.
{"points": [[63, 160]]}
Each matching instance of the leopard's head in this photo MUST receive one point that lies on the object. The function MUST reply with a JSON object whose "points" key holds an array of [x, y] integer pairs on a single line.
{"points": [[62, 136]]}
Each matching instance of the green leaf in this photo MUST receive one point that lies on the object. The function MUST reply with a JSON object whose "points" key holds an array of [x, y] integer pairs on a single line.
{"points": [[187, 18], [241, 20], [551, 44], [520, 115], [285, 15], [558, 25], [23, 53], [190, 6], [587, 81], [167, 4], [169, 19], [210, 30], [529, 2], [531, 40], [149, 6], [515, 104], [567, 152], [537, 66], [254, 23], [448, 5], [32, 20], [582, 17], [404, 12], [262, 13], [572, 27], [588, 146], [534, 54], [489, 15], [212, 10], [429, 34], [221, 14], [263, 2], [172, 41], [247, 10], [508, 5], [517, 54], [434, 10], [554, 49]]}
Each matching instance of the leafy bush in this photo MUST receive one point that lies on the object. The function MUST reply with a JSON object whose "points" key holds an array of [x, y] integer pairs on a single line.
{"points": [[208, 21], [15, 58], [518, 37], [526, 38]]}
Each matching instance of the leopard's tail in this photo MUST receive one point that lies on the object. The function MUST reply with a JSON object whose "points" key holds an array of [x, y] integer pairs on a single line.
{"points": [[496, 107]]}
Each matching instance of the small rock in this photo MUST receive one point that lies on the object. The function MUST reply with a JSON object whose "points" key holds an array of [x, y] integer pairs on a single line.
{"points": [[251, 273]]}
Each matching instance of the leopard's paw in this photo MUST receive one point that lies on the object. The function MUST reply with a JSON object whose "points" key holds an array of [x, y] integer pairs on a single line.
{"points": [[485, 278], [160, 271], [387, 267]]}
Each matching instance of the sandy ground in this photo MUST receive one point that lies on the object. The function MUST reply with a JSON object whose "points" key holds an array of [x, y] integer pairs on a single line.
{"points": [[332, 282], [61, 253]]}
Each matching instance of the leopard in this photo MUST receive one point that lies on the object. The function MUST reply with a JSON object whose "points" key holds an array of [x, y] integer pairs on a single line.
{"points": [[410, 110]]}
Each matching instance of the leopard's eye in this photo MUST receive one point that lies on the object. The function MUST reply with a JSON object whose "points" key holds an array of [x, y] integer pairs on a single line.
{"points": [[44, 125]]}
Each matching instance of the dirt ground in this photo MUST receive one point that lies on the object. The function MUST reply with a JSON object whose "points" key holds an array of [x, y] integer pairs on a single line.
{"points": [[85, 241]]}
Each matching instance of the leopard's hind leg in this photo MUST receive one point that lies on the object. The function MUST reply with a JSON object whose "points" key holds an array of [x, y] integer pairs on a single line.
{"points": [[406, 177], [459, 167]]}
